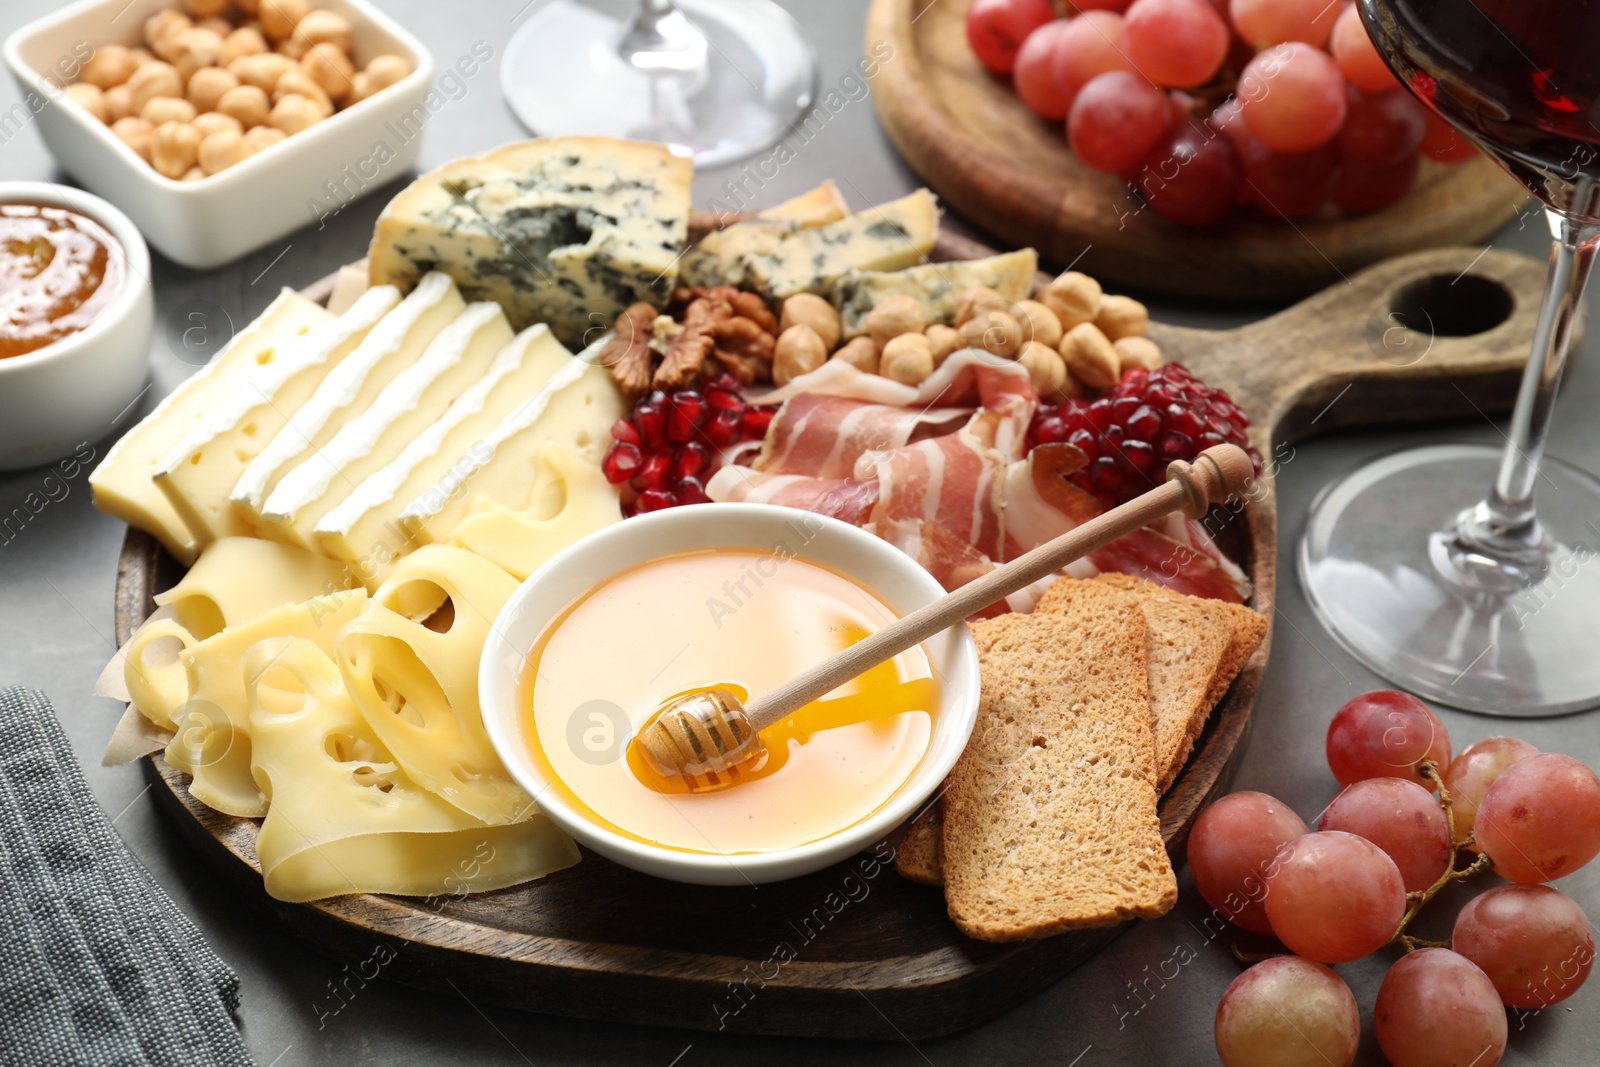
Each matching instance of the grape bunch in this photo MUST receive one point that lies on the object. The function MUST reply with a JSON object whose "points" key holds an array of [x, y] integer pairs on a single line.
{"points": [[1399, 832], [1203, 105]]}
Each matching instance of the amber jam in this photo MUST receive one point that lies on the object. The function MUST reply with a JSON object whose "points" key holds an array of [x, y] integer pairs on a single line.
{"points": [[58, 270], [744, 620]]}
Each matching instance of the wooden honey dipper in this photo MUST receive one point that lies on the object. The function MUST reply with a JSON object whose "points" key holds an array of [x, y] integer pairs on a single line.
{"points": [[707, 736]]}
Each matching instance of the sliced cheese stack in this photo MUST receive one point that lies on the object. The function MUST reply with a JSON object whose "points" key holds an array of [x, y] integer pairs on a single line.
{"points": [[418, 396], [364, 529], [204, 465], [394, 344], [123, 483]]}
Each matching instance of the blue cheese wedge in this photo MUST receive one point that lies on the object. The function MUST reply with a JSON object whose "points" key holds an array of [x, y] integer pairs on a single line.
{"points": [[567, 231], [937, 286], [722, 256], [891, 236]]}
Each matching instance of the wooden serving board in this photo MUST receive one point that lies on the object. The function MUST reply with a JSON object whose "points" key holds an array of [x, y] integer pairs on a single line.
{"points": [[1010, 172], [874, 955]]}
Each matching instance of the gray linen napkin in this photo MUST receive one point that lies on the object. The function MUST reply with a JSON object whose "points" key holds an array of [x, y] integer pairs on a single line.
{"points": [[97, 965]]}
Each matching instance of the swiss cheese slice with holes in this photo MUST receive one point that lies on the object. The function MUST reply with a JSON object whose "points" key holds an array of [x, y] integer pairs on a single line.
{"points": [[212, 742], [571, 499], [575, 410], [344, 818], [152, 671], [123, 483], [417, 684], [238, 578], [395, 343], [202, 468], [418, 396], [364, 528]]}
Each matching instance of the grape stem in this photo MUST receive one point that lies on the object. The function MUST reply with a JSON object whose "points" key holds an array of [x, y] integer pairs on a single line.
{"points": [[1417, 900]]}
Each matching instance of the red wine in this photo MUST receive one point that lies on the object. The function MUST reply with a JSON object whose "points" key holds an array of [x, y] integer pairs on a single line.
{"points": [[1521, 78]]}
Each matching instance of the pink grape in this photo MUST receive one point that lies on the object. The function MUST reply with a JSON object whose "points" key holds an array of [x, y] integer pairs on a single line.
{"points": [[1231, 847], [1334, 897], [1288, 1012], [1436, 1008], [1116, 120], [1263, 23], [1355, 55], [1092, 44], [1364, 187], [1381, 128], [1533, 942], [1291, 186], [1540, 820], [1472, 772], [1192, 176], [1176, 43], [1400, 817], [1034, 73], [1385, 734], [997, 28], [1293, 97], [1101, 5]]}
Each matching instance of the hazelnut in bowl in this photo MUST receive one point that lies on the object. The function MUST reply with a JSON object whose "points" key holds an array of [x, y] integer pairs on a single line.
{"points": [[219, 127], [75, 320]]}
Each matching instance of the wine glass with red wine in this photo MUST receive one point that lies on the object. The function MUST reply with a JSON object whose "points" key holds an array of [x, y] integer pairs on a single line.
{"points": [[1432, 565]]}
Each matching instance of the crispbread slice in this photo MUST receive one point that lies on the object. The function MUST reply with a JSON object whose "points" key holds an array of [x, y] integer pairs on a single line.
{"points": [[917, 858], [1186, 638], [1050, 814]]}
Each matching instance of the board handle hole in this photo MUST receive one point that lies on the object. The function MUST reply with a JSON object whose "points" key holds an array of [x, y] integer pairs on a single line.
{"points": [[1444, 306]]}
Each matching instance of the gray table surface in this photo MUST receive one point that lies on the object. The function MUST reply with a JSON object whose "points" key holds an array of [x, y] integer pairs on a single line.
{"points": [[56, 626]]}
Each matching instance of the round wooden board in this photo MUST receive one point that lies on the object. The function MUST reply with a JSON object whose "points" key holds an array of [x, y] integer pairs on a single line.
{"points": [[1010, 172], [874, 955]]}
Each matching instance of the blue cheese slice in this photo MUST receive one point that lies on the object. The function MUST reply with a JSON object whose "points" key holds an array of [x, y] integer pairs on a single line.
{"points": [[937, 286], [567, 231], [722, 256], [891, 236]]}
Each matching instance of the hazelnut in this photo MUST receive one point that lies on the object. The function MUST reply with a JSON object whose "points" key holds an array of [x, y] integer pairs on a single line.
{"points": [[207, 86], [280, 17], [907, 358], [387, 69], [294, 113], [1046, 369], [216, 24], [248, 7], [1038, 322], [210, 122], [1132, 352], [110, 65], [244, 41], [799, 351], [202, 9], [162, 27], [222, 150], [811, 310], [174, 148], [1122, 316], [361, 87], [89, 97], [298, 83], [262, 70], [195, 49], [262, 137], [861, 353], [118, 102], [1089, 356], [975, 297], [942, 340], [321, 27], [329, 68], [893, 316], [141, 55], [164, 109], [1074, 297], [153, 80], [193, 174], [994, 331], [135, 133], [246, 103]]}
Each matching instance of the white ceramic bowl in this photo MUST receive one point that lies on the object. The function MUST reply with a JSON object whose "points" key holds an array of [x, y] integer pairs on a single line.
{"points": [[72, 391], [897, 580], [205, 223]]}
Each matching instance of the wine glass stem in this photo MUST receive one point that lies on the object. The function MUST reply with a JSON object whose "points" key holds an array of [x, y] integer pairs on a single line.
{"points": [[1505, 524]]}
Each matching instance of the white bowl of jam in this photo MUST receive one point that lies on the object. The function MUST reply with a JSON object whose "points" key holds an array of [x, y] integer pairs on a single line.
{"points": [[75, 320], [742, 596]]}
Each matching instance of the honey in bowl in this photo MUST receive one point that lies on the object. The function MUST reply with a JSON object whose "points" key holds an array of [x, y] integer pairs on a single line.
{"points": [[58, 270], [744, 620]]}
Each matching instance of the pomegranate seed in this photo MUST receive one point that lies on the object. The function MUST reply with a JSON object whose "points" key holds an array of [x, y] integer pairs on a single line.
{"points": [[690, 491], [1051, 429], [1085, 440], [1184, 420], [1159, 396], [621, 462], [722, 429], [685, 414], [623, 430], [630, 510], [722, 400], [655, 500], [652, 423], [755, 421], [653, 474], [691, 461], [1099, 414], [1171, 445], [1139, 455], [1145, 422], [1105, 474], [1209, 440], [1113, 438], [1123, 407]]}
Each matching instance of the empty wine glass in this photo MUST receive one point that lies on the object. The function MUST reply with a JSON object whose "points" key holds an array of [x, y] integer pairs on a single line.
{"points": [[720, 79], [1473, 598]]}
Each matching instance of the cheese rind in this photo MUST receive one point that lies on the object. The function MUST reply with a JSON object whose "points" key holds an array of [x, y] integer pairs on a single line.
{"points": [[722, 256], [395, 343], [937, 286], [888, 237], [203, 467], [563, 230], [123, 483], [418, 395]]}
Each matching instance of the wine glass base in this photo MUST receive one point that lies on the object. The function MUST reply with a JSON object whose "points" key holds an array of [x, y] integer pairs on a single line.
{"points": [[1386, 575], [563, 74]]}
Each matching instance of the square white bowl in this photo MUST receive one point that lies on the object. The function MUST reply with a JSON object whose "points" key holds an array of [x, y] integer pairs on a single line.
{"points": [[206, 223]]}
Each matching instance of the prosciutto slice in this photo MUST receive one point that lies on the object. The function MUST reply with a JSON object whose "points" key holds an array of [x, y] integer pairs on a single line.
{"points": [[824, 436], [846, 499]]}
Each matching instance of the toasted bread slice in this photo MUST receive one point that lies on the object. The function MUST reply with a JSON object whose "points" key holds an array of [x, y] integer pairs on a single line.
{"points": [[917, 858], [1050, 814]]}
